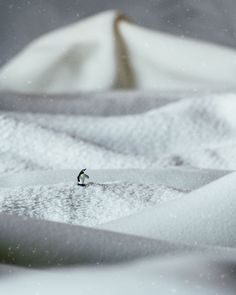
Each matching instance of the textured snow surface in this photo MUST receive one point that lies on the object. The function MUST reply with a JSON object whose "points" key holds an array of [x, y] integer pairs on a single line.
{"points": [[181, 217], [90, 205], [197, 132], [128, 213]]}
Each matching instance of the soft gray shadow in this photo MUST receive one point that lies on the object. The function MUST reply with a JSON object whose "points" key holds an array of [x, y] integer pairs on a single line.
{"points": [[31, 242]]}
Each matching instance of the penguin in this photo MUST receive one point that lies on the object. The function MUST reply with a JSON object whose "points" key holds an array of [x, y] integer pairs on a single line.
{"points": [[81, 177]]}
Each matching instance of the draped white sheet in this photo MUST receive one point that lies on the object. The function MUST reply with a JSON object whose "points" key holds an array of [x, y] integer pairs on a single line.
{"points": [[108, 52], [158, 215]]}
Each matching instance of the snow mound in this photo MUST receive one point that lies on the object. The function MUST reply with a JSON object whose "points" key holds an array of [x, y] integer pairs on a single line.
{"points": [[197, 132], [90, 205]]}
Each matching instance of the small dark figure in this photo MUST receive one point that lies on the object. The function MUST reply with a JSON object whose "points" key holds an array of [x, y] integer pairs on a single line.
{"points": [[81, 177]]}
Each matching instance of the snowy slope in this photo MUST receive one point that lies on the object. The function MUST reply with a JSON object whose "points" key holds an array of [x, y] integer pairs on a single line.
{"points": [[193, 132]]}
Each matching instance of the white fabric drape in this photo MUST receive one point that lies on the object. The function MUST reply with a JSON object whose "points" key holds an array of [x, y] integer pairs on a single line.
{"points": [[108, 52]]}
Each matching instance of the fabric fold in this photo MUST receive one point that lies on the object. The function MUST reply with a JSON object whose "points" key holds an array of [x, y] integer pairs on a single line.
{"points": [[107, 51]]}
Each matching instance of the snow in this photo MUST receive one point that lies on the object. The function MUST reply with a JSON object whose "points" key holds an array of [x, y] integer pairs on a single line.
{"points": [[89, 206], [190, 132], [131, 156], [178, 274], [202, 217]]}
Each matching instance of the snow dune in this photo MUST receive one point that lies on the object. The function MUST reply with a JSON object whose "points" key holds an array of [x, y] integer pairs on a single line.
{"points": [[189, 132], [203, 217], [133, 185], [90, 206]]}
